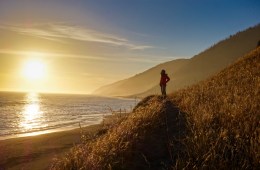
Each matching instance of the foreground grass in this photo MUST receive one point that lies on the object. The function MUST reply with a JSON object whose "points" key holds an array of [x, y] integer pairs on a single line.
{"points": [[224, 117], [122, 146], [212, 125]]}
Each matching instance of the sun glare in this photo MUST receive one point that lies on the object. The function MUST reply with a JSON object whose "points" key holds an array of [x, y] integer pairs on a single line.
{"points": [[34, 70], [31, 112]]}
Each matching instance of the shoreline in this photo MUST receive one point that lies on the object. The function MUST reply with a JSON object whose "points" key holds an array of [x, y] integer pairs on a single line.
{"points": [[37, 152], [47, 131]]}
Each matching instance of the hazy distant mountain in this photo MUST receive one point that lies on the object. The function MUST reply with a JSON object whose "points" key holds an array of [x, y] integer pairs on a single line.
{"points": [[184, 72], [140, 82]]}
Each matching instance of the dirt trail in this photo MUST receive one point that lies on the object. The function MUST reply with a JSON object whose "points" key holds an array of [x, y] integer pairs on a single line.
{"points": [[161, 147]]}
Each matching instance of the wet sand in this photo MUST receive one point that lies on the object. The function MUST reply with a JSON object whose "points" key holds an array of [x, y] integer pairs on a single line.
{"points": [[37, 152]]}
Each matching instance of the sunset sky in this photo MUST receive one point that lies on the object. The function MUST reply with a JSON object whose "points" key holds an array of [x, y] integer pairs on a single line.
{"points": [[76, 46]]}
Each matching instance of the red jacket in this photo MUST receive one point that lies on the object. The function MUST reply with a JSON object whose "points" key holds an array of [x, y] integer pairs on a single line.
{"points": [[164, 79]]}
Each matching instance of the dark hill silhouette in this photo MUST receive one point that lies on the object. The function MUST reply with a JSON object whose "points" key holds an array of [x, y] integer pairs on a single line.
{"points": [[187, 71]]}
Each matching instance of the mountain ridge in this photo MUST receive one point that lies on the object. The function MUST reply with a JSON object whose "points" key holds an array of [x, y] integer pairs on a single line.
{"points": [[188, 71]]}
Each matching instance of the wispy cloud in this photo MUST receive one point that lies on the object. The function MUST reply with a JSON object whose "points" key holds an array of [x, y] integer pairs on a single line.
{"points": [[59, 32], [46, 54], [135, 59]]}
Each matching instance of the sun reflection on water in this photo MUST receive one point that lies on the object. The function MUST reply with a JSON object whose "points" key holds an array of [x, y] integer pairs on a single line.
{"points": [[31, 112]]}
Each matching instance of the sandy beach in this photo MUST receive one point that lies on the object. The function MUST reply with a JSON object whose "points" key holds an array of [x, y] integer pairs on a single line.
{"points": [[37, 152]]}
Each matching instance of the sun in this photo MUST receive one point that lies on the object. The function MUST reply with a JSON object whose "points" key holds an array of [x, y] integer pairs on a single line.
{"points": [[34, 70]]}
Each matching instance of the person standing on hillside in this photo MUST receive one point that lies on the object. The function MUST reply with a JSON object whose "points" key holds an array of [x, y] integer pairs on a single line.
{"points": [[164, 80]]}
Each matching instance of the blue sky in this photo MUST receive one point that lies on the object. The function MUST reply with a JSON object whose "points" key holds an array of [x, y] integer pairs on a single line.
{"points": [[181, 28], [123, 37]]}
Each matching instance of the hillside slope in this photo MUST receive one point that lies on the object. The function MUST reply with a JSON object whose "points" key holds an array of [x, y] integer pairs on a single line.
{"points": [[224, 117], [214, 59], [189, 71], [212, 125]]}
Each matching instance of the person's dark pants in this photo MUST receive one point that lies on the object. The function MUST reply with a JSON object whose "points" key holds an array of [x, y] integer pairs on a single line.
{"points": [[163, 90]]}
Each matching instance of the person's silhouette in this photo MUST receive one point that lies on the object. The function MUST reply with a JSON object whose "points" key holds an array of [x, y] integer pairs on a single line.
{"points": [[163, 82]]}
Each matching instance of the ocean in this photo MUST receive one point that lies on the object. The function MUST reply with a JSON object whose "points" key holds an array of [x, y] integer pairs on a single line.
{"points": [[27, 114]]}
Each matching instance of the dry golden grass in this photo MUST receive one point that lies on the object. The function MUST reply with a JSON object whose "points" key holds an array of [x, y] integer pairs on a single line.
{"points": [[120, 146], [213, 125], [223, 117]]}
